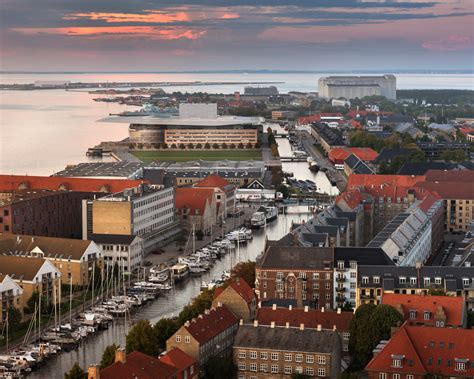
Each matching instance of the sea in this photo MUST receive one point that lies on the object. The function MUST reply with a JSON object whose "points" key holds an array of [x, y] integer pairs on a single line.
{"points": [[41, 132]]}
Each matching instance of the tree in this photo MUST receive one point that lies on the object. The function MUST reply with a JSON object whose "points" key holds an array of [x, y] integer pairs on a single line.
{"points": [[199, 235], [274, 148], [140, 146], [140, 338], [369, 326], [284, 190], [453, 155], [30, 303], [224, 146], [297, 375], [207, 145], [190, 146], [219, 367], [14, 318], [163, 330], [232, 145], [240, 145], [246, 271], [76, 372], [173, 146], [164, 145], [437, 292], [108, 356], [182, 146], [202, 302], [199, 146], [156, 145], [249, 145]]}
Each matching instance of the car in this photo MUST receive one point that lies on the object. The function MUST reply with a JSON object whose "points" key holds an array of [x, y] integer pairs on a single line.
{"points": [[148, 263]]}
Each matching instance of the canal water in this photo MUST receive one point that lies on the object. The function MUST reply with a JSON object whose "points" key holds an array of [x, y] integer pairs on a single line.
{"points": [[90, 351]]}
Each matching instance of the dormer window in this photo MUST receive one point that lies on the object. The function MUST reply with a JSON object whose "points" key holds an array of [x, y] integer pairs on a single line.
{"points": [[465, 282], [402, 280], [397, 361], [426, 315], [340, 265], [460, 365], [376, 279], [412, 315], [438, 281], [427, 282], [413, 281], [365, 280]]}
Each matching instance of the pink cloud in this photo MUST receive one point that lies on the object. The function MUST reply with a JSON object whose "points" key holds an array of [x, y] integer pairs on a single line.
{"points": [[451, 43]]}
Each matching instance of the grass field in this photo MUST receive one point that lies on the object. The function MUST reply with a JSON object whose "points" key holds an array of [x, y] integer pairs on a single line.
{"points": [[192, 155]]}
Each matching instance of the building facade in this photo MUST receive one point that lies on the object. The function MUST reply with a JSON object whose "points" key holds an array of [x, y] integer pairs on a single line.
{"points": [[352, 87], [125, 251], [10, 297]]}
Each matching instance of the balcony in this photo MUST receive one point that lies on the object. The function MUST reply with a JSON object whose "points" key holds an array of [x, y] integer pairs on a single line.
{"points": [[340, 278], [340, 298], [367, 296], [340, 289]]}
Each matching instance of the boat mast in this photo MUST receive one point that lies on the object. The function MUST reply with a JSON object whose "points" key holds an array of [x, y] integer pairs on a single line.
{"points": [[194, 240], [70, 301]]}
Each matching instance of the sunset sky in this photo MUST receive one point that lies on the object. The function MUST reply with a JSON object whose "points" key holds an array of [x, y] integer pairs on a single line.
{"points": [[140, 35]]}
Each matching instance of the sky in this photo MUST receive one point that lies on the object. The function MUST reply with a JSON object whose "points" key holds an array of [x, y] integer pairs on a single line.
{"points": [[145, 35]]}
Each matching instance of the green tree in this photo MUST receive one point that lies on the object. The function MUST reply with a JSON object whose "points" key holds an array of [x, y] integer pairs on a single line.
{"points": [[246, 271], [199, 146], [108, 356], [284, 190], [232, 146], [181, 238], [200, 303], [140, 338], [14, 318], [163, 330], [249, 145], [140, 146], [164, 145], [219, 367], [190, 146], [76, 372], [182, 146], [453, 155], [437, 292], [224, 146], [215, 146], [240, 145], [30, 303], [369, 326], [199, 235], [207, 145]]}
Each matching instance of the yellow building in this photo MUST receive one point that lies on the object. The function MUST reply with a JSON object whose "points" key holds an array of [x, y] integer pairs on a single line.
{"points": [[10, 296], [211, 136]]}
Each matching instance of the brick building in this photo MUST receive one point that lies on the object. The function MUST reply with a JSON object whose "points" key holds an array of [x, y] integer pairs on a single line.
{"points": [[187, 366], [208, 335], [239, 297], [196, 206], [263, 352], [415, 352], [301, 273]]}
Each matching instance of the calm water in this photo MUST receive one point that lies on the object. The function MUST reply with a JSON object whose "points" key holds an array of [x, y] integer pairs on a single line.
{"points": [[90, 351], [43, 131]]}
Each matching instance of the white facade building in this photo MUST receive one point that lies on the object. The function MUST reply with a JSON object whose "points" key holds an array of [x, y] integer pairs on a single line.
{"points": [[124, 251], [351, 87]]}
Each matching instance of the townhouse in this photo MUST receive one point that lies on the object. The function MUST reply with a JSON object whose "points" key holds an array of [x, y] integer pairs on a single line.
{"points": [[239, 297]]}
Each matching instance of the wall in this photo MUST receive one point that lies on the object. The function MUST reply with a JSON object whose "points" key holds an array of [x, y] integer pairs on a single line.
{"points": [[112, 217]]}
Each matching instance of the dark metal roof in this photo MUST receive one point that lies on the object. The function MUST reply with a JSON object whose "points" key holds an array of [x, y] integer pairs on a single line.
{"points": [[361, 255], [310, 258], [114, 239]]}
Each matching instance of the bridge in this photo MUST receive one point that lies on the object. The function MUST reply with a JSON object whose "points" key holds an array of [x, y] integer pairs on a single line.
{"points": [[293, 159]]}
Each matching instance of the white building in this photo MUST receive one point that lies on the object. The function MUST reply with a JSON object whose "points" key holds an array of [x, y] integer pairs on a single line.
{"points": [[352, 87], [124, 251]]}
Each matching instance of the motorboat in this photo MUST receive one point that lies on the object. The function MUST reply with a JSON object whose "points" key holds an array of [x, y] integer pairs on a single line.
{"points": [[159, 274], [179, 272], [263, 216]]}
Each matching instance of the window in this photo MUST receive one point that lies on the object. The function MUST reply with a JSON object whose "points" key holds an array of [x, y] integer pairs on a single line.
{"points": [[412, 315], [310, 359], [328, 286], [287, 370], [299, 369], [321, 372], [321, 360], [288, 357], [426, 315], [365, 280], [346, 335], [242, 366], [299, 358], [465, 282], [242, 354], [410, 376], [439, 324], [427, 281], [353, 265], [253, 355], [274, 369], [402, 280], [376, 279], [253, 367], [460, 366], [264, 368], [263, 355], [178, 338], [328, 275], [279, 276], [274, 357], [187, 339], [382, 375], [316, 275], [396, 376], [438, 281], [412, 281], [353, 275], [316, 286], [396, 362], [340, 265]]}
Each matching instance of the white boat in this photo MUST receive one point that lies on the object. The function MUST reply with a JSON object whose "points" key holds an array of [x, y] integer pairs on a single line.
{"points": [[263, 216], [159, 274], [179, 271]]}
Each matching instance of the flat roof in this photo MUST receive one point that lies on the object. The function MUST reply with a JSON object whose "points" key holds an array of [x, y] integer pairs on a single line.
{"points": [[102, 169], [184, 121]]}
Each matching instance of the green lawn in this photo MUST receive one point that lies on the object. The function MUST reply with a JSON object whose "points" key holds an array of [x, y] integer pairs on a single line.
{"points": [[192, 155]]}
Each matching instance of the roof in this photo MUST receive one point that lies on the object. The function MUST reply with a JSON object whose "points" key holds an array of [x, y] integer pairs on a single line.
{"points": [[185, 121], [361, 255], [450, 176], [115, 239], [124, 169], [207, 326], [420, 168], [452, 306], [286, 339], [311, 318], [20, 268], [427, 350], [213, 181], [352, 198], [363, 153], [241, 287], [16, 182], [195, 199], [388, 154], [364, 180], [50, 246], [139, 366], [177, 358], [451, 190], [309, 258]]}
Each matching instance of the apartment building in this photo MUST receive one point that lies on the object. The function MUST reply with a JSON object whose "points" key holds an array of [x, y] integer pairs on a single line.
{"points": [[224, 193], [304, 274], [428, 310], [208, 335], [125, 251], [33, 275], [279, 352], [146, 211], [75, 259], [374, 281], [239, 297], [187, 366], [10, 297], [416, 352], [228, 136], [196, 207], [326, 137]]}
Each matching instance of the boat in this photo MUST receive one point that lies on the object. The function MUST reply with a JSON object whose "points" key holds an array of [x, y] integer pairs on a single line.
{"points": [[160, 274], [314, 167], [263, 216], [179, 271]]}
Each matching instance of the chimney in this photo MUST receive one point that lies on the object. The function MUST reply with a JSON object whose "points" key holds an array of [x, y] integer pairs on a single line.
{"points": [[255, 323], [207, 311], [287, 325], [241, 322], [93, 372], [306, 308], [274, 307], [120, 355], [290, 307], [322, 309], [339, 311], [272, 324], [319, 327], [301, 326], [334, 327], [187, 323], [219, 304]]}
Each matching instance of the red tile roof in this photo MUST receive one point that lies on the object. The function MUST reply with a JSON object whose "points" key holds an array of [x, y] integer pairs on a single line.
{"points": [[309, 119], [139, 366], [453, 307], [207, 326], [365, 180], [311, 318], [16, 182], [213, 181], [352, 198], [450, 190], [241, 287], [339, 154], [178, 358], [422, 346], [429, 200], [193, 198], [450, 176]]}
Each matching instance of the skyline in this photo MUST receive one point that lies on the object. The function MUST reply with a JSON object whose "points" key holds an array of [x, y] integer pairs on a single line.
{"points": [[204, 35]]}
